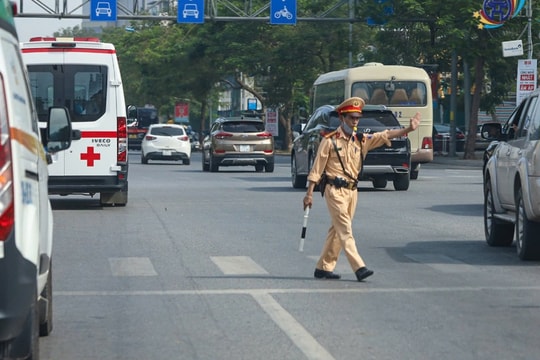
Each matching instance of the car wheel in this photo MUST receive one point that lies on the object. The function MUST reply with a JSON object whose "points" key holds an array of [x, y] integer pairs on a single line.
{"points": [[45, 307], [205, 166], [259, 167], [401, 182], [298, 181], [144, 159], [214, 167], [269, 167], [498, 233], [415, 169], [379, 182], [186, 161], [527, 241], [311, 160]]}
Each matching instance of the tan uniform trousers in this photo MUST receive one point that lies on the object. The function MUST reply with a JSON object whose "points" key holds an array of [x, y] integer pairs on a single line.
{"points": [[341, 205]]}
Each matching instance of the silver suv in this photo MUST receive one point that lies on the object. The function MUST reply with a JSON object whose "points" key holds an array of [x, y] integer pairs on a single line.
{"points": [[512, 180]]}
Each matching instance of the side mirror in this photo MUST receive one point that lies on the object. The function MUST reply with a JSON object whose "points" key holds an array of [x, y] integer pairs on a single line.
{"points": [[297, 128], [491, 131], [59, 132]]}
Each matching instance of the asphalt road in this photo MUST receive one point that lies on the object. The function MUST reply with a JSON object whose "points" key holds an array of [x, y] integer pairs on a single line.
{"points": [[206, 266]]}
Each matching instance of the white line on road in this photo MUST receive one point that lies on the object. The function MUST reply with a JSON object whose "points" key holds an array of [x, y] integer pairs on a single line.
{"points": [[132, 266], [237, 265], [293, 291], [296, 332]]}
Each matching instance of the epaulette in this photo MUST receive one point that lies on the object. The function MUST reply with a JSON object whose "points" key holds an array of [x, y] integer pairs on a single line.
{"points": [[329, 135]]}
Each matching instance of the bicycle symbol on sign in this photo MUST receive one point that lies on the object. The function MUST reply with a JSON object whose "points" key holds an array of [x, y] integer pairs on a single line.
{"points": [[283, 12]]}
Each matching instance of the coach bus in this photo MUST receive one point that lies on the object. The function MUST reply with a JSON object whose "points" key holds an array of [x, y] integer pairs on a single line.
{"points": [[403, 89]]}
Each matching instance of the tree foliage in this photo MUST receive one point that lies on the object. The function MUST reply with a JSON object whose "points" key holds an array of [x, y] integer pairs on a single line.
{"points": [[164, 64]]}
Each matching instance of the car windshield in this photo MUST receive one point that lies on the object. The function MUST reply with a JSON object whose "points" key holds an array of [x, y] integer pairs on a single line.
{"points": [[243, 126], [378, 120], [167, 131], [444, 128]]}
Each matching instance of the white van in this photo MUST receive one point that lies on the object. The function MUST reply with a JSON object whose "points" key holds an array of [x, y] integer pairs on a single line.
{"points": [[83, 75], [405, 90], [26, 223]]}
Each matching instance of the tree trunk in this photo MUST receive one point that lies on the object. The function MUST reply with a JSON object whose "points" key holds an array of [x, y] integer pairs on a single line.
{"points": [[470, 141]]}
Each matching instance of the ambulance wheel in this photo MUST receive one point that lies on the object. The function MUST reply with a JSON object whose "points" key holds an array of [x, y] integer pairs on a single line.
{"points": [[45, 307], [118, 198], [26, 344]]}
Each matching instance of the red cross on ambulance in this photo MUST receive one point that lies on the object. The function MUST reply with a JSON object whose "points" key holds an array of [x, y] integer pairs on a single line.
{"points": [[90, 156]]}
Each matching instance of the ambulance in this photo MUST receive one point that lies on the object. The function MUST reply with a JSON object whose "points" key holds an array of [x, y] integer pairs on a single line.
{"points": [[26, 218], [83, 75]]}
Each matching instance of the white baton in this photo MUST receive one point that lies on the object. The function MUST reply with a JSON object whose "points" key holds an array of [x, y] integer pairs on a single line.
{"points": [[304, 226]]}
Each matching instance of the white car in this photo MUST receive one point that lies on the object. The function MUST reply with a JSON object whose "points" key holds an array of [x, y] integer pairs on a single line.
{"points": [[166, 142]]}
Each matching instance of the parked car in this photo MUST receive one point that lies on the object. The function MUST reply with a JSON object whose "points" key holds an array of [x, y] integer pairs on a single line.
{"points": [[441, 138], [512, 180], [238, 141], [166, 142], [381, 164], [194, 140]]}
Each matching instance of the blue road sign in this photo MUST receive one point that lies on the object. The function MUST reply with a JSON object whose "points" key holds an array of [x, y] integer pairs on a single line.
{"points": [[190, 11], [103, 10], [283, 12]]}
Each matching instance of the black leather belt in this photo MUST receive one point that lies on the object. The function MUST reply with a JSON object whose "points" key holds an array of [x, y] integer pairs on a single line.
{"points": [[342, 183]]}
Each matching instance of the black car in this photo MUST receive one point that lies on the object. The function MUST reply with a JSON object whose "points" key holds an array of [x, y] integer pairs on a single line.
{"points": [[381, 164], [441, 138]]}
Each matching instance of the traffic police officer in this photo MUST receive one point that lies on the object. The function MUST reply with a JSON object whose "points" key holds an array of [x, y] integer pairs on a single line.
{"points": [[340, 156]]}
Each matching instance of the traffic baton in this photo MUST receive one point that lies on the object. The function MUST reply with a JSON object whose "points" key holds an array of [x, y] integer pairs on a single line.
{"points": [[304, 226]]}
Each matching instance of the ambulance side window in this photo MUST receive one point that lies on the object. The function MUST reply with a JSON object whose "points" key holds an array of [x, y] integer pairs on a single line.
{"points": [[88, 91], [42, 89], [82, 89]]}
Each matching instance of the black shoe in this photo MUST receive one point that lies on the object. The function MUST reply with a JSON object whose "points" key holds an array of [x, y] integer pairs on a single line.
{"points": [[363, 273], [321, 274]]}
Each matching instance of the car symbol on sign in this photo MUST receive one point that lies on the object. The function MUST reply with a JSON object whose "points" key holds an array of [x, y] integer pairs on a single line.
{"points": [[190, 10], [103, 8]]}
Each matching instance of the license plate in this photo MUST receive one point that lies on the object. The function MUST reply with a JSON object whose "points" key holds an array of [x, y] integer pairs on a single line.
{"points": [[244, 148], [167, 152], [132, 136]]}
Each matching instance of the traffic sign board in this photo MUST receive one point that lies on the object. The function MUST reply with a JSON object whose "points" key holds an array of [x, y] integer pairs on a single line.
{"points": [[190, 11], [283, 12], [103, 10]]}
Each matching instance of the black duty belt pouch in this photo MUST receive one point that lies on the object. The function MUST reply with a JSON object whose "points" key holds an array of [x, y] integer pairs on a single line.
{"points": [[322, 183]]}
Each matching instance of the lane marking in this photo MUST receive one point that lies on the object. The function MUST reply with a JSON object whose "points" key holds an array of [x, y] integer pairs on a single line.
{"points": [[292, 328], [237, 265], [132, 266], [292, 291]]}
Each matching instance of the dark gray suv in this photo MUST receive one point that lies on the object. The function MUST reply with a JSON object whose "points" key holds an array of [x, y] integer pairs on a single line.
{"points": [[380, 166]]}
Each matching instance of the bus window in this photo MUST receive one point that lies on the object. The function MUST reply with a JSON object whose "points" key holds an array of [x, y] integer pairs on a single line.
{"points": [[405, 90]]}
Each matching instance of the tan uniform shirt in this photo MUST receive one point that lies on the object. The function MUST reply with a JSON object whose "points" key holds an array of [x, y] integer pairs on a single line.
{"points": [[352, 154]]}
